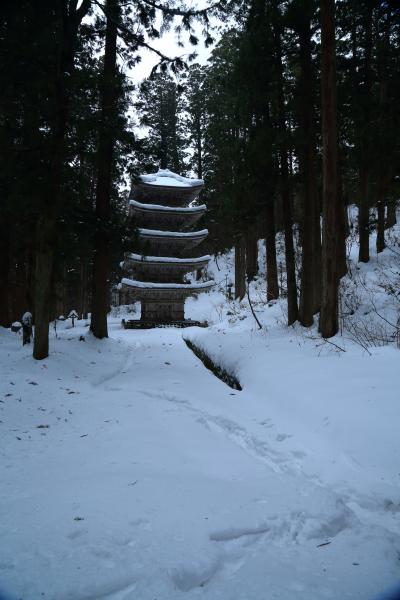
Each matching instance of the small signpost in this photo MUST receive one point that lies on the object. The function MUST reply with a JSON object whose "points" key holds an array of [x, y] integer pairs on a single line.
{"points": [[73, 315]]}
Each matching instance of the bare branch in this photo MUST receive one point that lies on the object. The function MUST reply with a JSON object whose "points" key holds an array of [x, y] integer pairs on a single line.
{"points": [[82, 10], [392, 250], [72, 6], [360, 343], [310, 337], [138, 40], [374, 307], [180, 12]]}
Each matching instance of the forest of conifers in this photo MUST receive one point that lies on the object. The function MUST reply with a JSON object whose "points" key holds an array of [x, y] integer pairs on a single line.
{"points": [[294, 117]]}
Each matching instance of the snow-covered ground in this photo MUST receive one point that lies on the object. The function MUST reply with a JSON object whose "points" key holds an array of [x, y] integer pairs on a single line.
{"points": [[130, 472]]}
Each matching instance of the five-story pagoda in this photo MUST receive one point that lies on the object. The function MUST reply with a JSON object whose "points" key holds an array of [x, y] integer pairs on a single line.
{"points": [[164, 207]]}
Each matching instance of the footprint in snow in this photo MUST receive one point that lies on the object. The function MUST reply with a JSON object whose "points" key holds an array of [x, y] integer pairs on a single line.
{"points": [[281, 437], [75, 534], [195, 574]]}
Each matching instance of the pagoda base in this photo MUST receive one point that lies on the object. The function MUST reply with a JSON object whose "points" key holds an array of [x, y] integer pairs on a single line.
{"points": [[147, 324], [154, 309]]}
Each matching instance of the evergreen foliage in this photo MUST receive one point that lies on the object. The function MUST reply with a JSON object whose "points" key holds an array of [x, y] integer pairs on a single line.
{"points": [[160, 113]]}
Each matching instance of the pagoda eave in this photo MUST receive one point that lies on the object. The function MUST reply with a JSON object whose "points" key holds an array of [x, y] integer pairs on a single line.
{"points": [[162, 269], [169, 195], [191, 264], [171, 217], [170, 241], [159, 292]]}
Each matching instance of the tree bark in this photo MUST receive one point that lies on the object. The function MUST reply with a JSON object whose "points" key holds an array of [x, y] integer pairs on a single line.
{"points": [[330, 281], [270, 247], [251, 253], [240, 268], [4, 274], [342, 226], [83, 297], [391, 216], [45, 241], [100, 295], [289, 249], [59, 297], [17, 281], [380, 233], [199, 149]]}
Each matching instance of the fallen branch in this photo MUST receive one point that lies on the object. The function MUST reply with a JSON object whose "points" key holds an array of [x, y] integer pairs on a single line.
{"points": [[333, 344], [252, 309], [310, 337]]}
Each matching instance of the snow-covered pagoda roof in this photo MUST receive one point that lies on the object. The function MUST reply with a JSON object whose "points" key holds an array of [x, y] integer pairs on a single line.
{"points": [[172, 234], [166, 242], [162, 292], [165, 177], [147, 285], [168, 259], [166, 188], [170, 209]]}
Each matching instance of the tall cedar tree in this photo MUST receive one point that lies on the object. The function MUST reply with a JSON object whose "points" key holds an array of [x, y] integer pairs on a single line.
{"points": [[60, 22], [365, 138], [384, 151], [310, 288], [257, 177], [330, 198], [221, 141], [160, 111], [284, 173], [101, 267], [194, 123], [27, 108]]}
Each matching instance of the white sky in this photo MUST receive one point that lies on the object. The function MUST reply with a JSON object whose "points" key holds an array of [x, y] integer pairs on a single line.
{"points": [[168, 45]]}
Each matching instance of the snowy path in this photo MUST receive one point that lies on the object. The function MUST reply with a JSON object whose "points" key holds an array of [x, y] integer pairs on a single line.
{"points": [[130, 472]]}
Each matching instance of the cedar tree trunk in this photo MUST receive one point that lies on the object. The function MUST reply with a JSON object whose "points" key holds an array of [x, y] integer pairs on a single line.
{"points": [[68, 18], [365, 167], [310, 290], [285, 189], [251, 253], [240, 268], [329, 297], [270, 246], [100, 295]]}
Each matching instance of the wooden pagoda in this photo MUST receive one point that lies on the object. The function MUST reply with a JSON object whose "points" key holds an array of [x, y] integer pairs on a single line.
{"points": [[164, 208]]}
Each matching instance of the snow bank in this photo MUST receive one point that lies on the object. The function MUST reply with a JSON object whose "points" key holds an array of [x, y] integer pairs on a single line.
{"points": [[339, 413], [336, 401]]}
